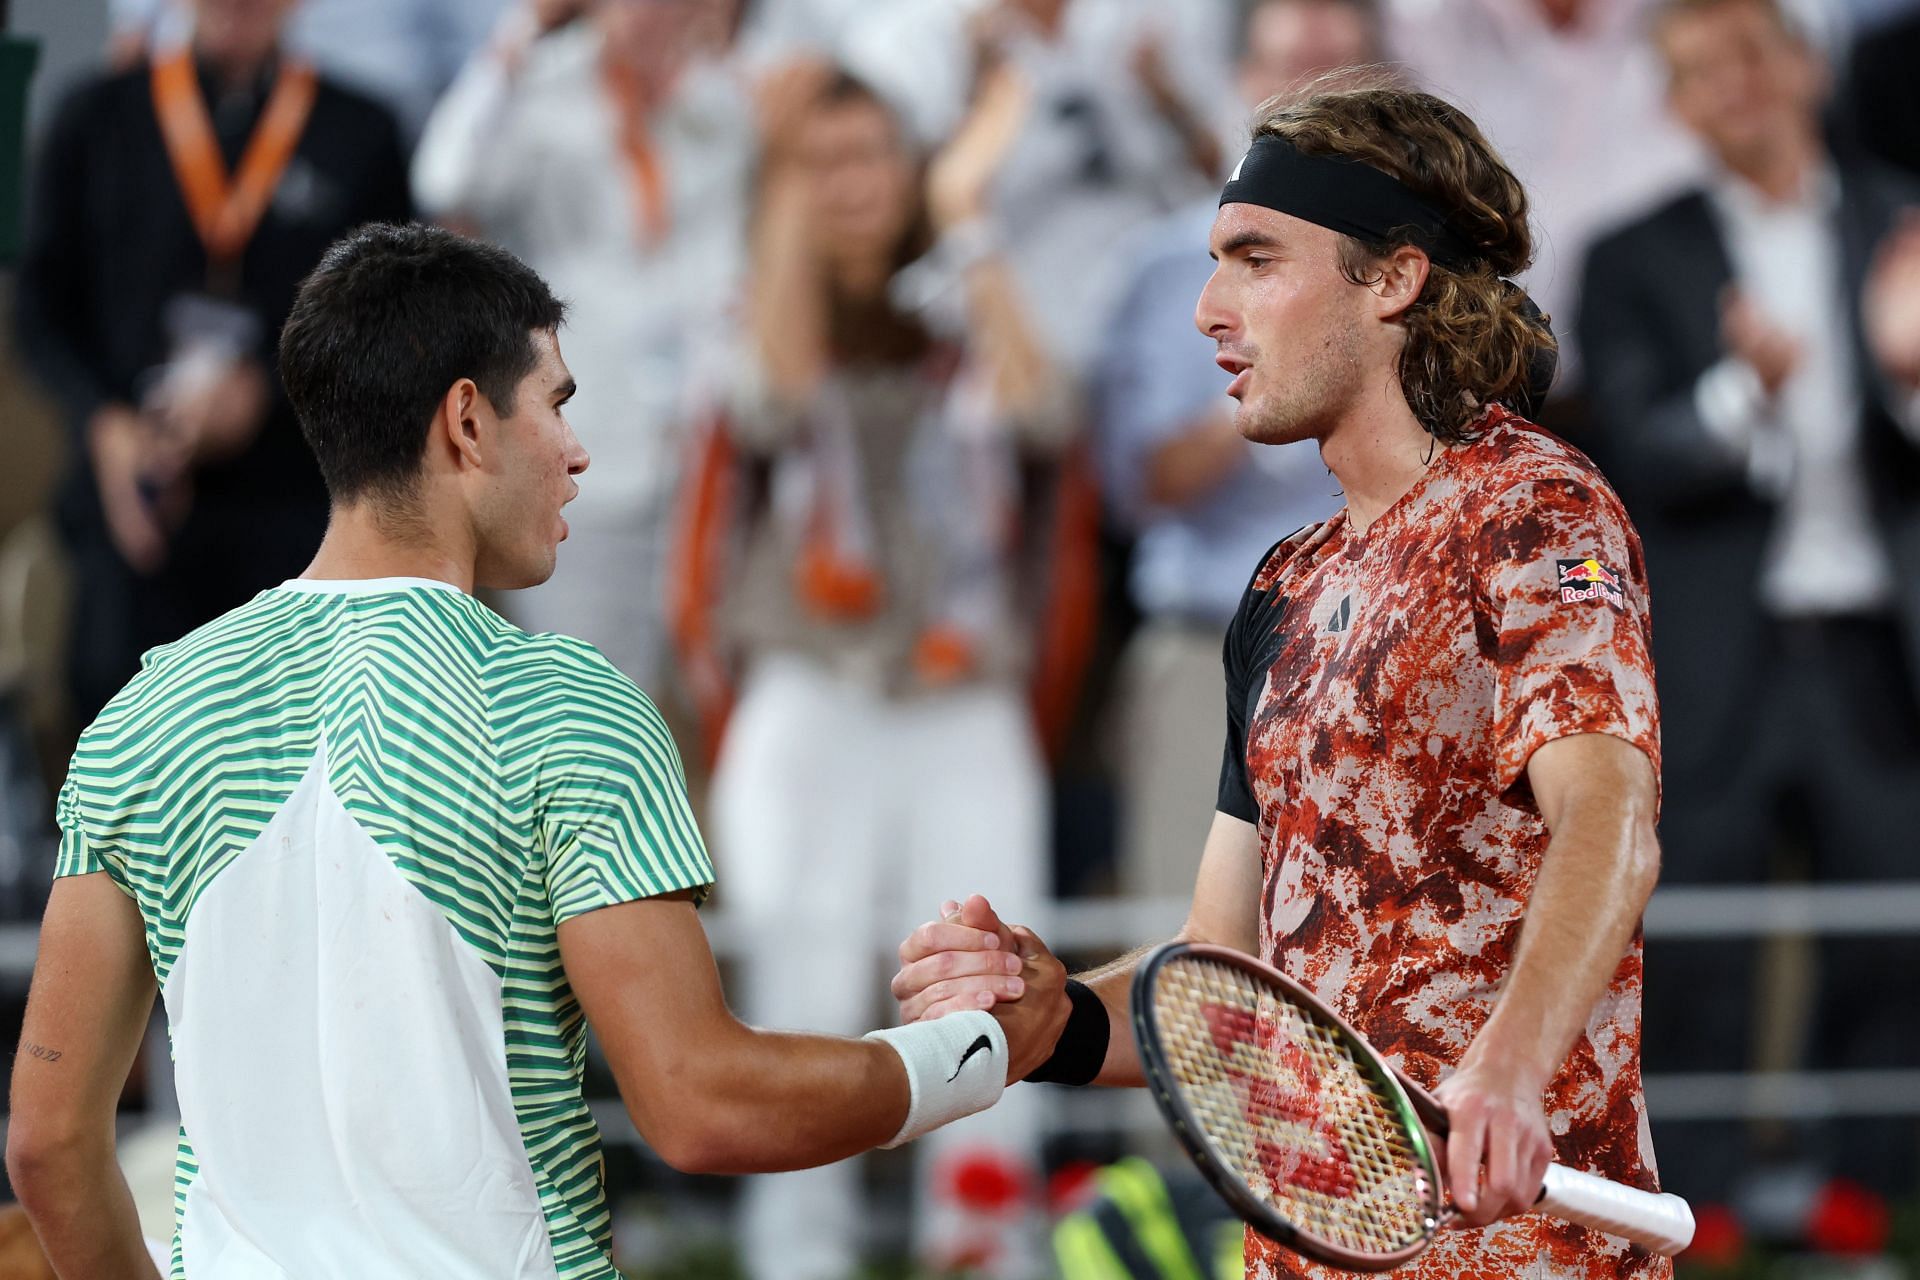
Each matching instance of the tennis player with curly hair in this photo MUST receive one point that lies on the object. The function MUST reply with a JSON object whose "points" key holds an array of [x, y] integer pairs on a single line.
{"points": [[1440, 784]]}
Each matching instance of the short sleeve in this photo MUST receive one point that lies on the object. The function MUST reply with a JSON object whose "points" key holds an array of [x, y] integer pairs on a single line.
{"points": [[613, 807], [1560, 601], [77, 856]]}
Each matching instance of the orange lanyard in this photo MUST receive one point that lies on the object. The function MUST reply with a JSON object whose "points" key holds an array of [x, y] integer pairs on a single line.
{"points": [[227, 209], [644, 172]]}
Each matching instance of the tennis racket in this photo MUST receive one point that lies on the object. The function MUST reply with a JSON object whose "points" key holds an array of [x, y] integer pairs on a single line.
{"points": [[1308, 1134]]}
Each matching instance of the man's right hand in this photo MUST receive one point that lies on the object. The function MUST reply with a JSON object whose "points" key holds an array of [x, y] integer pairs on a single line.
{"points": [[970, 959], [967, 959]]}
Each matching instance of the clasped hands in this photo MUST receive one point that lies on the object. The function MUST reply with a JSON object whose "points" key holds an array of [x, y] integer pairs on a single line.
{"points": [[970, 959]]}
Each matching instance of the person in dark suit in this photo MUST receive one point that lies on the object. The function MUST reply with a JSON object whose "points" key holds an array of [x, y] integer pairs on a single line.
{"points": [[1754, 350], [176, 206]]}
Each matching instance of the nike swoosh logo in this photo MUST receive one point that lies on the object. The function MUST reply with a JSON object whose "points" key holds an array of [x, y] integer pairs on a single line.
{"points": [[979, 1044]]}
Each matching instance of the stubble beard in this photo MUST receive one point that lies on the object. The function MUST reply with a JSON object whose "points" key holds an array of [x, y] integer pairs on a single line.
{"points": [[1306, 406]]}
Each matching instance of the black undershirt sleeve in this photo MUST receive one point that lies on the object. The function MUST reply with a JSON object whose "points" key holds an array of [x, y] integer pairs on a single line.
{"points": [[1240, 656]]}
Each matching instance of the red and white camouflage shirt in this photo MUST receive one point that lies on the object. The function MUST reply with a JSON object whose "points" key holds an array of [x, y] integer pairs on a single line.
{"points": [[1385, 692]]}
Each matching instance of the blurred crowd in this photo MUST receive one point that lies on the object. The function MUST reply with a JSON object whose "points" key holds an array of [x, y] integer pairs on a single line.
{"points": [[914, 489]]}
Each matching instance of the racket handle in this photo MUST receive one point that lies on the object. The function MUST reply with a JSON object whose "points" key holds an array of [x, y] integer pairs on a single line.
{"points": [[1659, 1221]]}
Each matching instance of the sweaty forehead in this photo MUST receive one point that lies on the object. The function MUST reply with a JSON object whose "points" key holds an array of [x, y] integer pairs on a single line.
{"points": [[1239, 226]]}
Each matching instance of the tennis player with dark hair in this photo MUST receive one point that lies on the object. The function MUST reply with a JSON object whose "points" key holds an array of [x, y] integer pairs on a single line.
{"points": [[1439, 790], [380, 851]]}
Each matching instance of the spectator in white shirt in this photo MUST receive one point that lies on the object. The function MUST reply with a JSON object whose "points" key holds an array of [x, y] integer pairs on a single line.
{"points": [[882, 608]]}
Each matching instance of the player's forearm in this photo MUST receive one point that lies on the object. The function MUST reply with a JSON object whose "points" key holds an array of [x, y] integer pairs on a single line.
{"points": [[765, 1101], [1113, 983], [1594, 882], [81, 1210]]}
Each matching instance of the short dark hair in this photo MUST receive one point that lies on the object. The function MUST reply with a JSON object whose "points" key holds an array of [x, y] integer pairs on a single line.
{"points": [[391, 318]]}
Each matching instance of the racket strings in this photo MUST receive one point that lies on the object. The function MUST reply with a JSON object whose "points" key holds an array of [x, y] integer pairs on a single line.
{"points": [[1287, 1107]]}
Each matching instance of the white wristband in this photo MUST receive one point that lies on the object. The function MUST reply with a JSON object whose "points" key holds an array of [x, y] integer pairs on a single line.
{"points": [[956, 1065]]}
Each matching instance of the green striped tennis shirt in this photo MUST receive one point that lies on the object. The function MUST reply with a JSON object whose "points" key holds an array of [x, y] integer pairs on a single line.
{"points": [[353, 816]]}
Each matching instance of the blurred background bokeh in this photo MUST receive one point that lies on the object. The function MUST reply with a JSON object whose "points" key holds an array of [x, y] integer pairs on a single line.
{"points": [[915, 501]]}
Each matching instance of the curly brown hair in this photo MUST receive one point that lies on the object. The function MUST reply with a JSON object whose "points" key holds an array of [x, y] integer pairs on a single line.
{"points": [[1473, 339]]}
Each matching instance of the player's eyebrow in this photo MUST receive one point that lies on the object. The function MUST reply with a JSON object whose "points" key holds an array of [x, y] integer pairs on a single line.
{"points": [[1242, 242]]}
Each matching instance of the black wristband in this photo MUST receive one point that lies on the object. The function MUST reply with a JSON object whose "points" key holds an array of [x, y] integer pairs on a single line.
{"points": [[1082, 1048]]}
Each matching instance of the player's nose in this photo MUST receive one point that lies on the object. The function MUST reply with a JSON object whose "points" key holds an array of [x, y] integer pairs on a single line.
{"points": [[1211, 315]]}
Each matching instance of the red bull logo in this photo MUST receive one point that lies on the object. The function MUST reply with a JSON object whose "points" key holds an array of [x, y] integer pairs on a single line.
{"points": [[1589, 580]]}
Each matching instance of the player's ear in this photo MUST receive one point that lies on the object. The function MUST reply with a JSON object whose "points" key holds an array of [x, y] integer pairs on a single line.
{"points": [[463, 422], [1400, 277]]}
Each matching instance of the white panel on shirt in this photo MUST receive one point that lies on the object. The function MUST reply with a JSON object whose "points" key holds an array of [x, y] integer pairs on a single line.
{"points": [[341, 1064]]}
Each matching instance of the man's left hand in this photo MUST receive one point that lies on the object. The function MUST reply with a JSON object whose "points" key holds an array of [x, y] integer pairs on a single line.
{"points": [[1497, 1153]]}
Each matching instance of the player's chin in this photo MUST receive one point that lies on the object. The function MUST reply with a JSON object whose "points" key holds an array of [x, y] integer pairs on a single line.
{"points": [[528, 570], [1259, 424], [542, 567], [1279, 421]]}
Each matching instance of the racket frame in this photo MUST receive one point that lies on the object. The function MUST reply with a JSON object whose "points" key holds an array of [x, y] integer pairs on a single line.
{"points": [[1262, 1217]]}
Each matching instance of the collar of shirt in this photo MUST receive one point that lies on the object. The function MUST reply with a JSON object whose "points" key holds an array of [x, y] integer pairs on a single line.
{"points": [[1739, 198]]}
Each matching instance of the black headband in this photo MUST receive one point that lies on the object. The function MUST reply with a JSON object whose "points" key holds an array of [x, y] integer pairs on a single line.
{"points": [[1347, 196]]}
